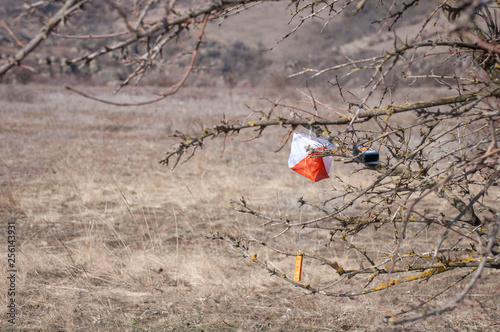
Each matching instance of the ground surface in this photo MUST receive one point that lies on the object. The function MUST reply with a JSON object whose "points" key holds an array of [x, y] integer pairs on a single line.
{"points": [[109, 239]]}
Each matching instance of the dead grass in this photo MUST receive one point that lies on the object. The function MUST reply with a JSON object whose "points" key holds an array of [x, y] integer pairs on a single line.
{"points": [[108, 239]]}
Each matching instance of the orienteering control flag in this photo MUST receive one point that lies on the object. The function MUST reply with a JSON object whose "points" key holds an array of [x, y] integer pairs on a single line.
{"points": [[314, 168]]}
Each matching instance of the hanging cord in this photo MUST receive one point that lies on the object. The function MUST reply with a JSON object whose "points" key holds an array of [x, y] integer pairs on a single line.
{"points": [[300, 207], [302, 194]]}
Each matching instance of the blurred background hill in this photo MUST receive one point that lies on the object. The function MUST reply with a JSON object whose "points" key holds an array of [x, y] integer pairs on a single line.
{"points": [[244, 49]]}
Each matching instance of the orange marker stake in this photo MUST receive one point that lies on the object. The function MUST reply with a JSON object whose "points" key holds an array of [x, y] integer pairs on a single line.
{"points": [[298, 268]]}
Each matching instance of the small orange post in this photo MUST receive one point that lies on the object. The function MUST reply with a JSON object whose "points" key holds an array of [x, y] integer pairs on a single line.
{"points": [[298, 267]]}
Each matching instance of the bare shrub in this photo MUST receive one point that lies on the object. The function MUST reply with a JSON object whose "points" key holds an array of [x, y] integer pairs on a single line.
{"points": [[423, 96]]}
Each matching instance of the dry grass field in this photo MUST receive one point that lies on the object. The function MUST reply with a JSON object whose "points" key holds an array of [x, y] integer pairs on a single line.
{"points": [[110, 240]]}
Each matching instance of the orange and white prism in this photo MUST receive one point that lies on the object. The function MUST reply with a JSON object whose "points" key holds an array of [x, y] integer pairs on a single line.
{"points": [[302, 162]]}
